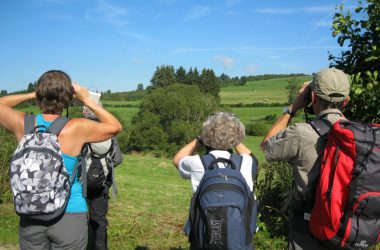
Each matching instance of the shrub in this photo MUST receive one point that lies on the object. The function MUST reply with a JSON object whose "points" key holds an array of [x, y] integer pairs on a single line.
{"points": [[7, 147], [255, 129], [169, 118], [272, 191]]}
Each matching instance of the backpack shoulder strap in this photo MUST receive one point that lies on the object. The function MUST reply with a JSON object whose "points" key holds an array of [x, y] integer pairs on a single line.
{"points": [[29, 121], [237, 159], [321, 126], [207, 160], [57, 125]]}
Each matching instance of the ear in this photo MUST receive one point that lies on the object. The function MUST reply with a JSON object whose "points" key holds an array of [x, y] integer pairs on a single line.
{"points": [[313, 98], [345, 102]]}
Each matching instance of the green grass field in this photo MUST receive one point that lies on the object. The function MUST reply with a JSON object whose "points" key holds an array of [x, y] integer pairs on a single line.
{"points": [[266, 91]]}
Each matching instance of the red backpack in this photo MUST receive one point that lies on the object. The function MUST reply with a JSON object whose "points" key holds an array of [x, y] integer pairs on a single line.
{"points": [[346, 210]]}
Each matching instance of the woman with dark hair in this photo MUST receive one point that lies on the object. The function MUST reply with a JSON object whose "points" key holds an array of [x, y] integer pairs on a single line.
{"points": [[54, 92]]}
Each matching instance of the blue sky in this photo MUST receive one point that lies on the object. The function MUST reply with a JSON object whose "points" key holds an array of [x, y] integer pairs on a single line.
{"points": [[116, 44]]}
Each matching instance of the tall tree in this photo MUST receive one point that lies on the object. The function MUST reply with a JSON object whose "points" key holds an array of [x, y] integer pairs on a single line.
{"points": [[208, 83], [361, 35], [243, 80], [180, 75], [192, 77], [31, 87], [140, 86], [163, 76]]}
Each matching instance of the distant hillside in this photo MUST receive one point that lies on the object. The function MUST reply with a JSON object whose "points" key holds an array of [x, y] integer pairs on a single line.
{"points": [[256, 91], [259, 92]]}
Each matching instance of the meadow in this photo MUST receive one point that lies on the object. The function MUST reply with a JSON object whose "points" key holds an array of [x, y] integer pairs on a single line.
{"points": [[152, 203]]}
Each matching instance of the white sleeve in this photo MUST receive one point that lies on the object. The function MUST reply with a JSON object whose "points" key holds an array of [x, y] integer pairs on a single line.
{"points": [[185, 167], [246, 169]]}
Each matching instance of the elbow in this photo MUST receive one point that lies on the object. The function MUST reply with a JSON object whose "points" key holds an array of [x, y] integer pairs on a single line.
{"points": [[176, 162], [119, 128]]}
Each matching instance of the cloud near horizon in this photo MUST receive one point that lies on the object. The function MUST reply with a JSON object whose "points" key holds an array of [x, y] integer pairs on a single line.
{"points": [[228, 62]]}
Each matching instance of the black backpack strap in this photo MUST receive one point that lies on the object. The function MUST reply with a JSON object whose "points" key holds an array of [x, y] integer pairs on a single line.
{"points": [[57, 125], [29, 121], [82, 165], [237, 160], [321, 126]]}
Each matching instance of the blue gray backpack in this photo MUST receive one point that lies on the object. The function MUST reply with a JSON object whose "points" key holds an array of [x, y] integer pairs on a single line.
{"points": [[39, 180], [223, 210]]}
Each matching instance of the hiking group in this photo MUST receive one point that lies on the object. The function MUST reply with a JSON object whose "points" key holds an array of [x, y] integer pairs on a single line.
{"points": [[62, 170]]}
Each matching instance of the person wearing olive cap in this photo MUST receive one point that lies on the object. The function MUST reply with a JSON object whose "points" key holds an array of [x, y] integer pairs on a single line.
{"points": [[302, 147]]}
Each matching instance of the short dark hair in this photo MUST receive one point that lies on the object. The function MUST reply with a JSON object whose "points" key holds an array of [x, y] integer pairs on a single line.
{"points": [[323, 104], [54, 91]]}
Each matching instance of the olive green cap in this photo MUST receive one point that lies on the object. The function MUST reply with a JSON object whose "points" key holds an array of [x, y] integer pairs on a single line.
{"points": [[331, 84]]}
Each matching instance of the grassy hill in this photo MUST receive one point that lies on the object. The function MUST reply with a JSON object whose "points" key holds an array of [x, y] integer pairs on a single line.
{"points": [[265, 91]]}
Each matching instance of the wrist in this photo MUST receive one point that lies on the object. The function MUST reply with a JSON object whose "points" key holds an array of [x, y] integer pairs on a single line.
{"points": [[199, 140], [289, 110]]}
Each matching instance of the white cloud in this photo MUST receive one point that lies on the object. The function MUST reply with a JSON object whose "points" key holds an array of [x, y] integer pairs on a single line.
{"points": [[228, 62], [197, 12], [309, 10], [137, 36], [323, 24], [275, 11], [319, 9], [138, 61], [251, 69], [112, 14], [116, 17], [233, 2]]}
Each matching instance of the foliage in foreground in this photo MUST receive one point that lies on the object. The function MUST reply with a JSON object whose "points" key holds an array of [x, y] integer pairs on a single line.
{"points": [[360, 33]]}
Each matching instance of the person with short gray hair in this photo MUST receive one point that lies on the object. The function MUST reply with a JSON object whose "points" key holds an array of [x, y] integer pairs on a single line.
{"points": [[222, 132], [302, 147]]}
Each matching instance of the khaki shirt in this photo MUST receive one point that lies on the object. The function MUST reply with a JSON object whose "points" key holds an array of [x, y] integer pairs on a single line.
{"points": [[302, 148]]}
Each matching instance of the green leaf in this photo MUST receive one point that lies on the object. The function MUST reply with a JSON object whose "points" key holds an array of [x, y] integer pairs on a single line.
{"points": [[358, 91]]}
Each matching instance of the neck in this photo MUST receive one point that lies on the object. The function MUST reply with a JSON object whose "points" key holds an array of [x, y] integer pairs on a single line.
{"points": [[50, 117]]}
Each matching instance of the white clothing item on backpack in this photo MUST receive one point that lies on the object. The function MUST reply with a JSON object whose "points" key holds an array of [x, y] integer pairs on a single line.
{"points": [[101, 148], [190, 167]]}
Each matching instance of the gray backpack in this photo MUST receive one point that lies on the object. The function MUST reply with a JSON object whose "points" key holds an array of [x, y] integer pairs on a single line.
{"points": [[101, 159], [39, 180]]}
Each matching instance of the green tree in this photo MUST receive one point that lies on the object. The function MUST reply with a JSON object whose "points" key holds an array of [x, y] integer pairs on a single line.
{"points": [[169, 118], [163, 76], [31, 87], [293, 87], [360, 33], [180, 75], [209, 83], [243, 80], [192, 77], [3, 92], [140, 86]]}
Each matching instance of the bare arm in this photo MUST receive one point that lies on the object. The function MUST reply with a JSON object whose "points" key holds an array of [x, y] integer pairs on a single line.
{"points": [[242, 149], [283, 121], [187, 150], [11, 119], [96, 131]]}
